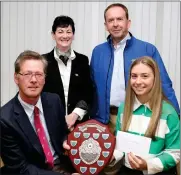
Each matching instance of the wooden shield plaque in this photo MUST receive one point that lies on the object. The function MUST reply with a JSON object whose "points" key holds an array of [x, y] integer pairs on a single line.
{"points": [[91, 147]]}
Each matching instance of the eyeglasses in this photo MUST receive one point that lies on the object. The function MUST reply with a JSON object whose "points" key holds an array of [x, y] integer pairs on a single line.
{"points": [[29, 75]]}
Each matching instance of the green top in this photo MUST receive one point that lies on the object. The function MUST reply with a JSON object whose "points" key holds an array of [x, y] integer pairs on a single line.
{"points": [[165, 149]]}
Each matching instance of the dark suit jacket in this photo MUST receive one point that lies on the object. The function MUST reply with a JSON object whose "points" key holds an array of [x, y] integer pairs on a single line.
{"points": [[80, 86], [21, 149]]}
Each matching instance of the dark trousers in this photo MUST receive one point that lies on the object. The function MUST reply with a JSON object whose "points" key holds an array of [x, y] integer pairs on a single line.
{"points": [[66, 164], [127, 171]]}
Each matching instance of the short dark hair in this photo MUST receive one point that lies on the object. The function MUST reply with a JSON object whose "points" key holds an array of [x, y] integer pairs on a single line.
{"points": [[29, 55], [117, 5], [63, 21]]}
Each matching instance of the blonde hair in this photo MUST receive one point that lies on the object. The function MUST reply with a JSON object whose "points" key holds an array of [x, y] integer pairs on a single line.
{"points": [[155, 98]]}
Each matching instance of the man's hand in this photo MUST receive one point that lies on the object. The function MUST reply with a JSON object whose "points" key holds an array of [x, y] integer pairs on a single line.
{"points": [[137, 162], [71, 119], [65, 145]]}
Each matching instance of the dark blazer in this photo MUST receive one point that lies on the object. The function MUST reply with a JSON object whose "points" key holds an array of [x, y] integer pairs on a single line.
{"points": [[21, 149], [80, 86]]}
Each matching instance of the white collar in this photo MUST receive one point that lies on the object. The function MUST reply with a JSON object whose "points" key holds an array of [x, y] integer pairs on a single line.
{"points": [[30, 108], [71, 57], [137, 104], [123, 41]]}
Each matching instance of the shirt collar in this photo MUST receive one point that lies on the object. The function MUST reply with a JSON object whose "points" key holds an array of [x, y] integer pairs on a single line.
{"points": [[137, 104], [123, 41], [71, 57], [30, 108]]}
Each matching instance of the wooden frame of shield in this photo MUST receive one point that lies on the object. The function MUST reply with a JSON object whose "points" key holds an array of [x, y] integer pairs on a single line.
{"points": [[91, 147]]}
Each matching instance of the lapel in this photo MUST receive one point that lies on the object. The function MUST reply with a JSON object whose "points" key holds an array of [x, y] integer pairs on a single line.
{"points": [[53, 72], [25, 125], [53, 65], [73, 71]]}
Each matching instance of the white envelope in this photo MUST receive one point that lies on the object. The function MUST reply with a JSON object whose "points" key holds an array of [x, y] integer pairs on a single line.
{"points": [[138, 145]]}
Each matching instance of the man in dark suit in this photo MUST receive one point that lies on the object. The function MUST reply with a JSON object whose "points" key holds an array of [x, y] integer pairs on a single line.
{"points": [[68, 73], [33, 127]]}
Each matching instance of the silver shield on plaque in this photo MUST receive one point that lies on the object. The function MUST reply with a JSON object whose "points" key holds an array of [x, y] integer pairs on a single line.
{"points": [[89, 151]]}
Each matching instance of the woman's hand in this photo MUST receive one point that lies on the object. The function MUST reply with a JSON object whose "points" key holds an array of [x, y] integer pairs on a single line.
{"points": [[71, 119], [137, 162]]}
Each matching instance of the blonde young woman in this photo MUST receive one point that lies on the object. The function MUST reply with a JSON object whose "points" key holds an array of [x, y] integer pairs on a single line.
{"points": [[146, 112]]}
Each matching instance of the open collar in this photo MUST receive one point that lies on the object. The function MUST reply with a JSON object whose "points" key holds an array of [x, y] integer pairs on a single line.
{"points": [[137, 104]]}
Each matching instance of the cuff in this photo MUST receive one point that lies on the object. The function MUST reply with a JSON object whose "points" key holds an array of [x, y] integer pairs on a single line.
{"points": [[154, 166], [118, 155], [80, 112]]}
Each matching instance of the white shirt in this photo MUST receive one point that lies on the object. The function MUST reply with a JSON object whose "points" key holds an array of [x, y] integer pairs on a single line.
{"points": [[118, 81], [65, 76], [29, 111]]}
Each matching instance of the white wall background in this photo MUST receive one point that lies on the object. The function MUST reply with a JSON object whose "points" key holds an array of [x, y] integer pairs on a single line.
{"points": [[27, 25]]}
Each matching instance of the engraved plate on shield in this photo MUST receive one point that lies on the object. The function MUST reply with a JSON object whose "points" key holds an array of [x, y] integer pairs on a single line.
{"points": [[89, 151]]}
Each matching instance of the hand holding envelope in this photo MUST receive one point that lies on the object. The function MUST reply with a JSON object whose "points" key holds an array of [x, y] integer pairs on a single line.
{"points": [[137, 147], [137, 162], [127, 142]]}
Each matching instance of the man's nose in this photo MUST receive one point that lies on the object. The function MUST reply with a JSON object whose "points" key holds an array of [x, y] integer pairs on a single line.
{"points": [[115, 23], [33, 78]]}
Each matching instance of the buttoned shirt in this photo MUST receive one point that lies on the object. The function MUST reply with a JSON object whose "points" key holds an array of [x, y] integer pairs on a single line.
{"points": [[65, 76], [118, 81]]}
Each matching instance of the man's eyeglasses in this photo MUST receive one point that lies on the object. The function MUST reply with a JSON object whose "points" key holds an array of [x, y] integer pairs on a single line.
{"points": [[29, 75]]}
